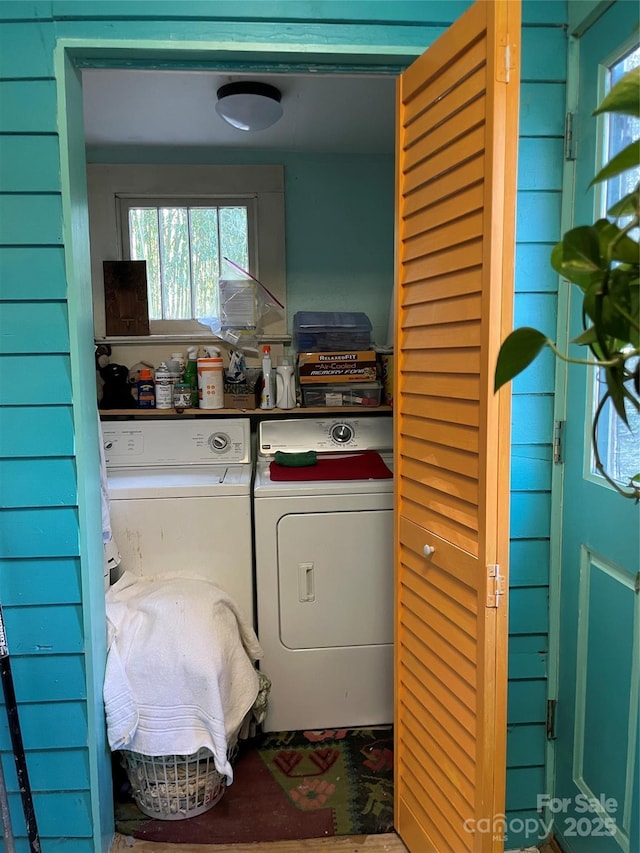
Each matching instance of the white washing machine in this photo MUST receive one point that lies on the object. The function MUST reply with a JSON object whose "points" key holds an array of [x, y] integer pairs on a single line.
{"points": [[324, 573], [180, 498]]}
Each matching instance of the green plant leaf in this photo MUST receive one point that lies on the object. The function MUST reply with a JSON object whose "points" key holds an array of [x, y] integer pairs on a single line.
{"points": [[615, 245], [624, 160], [587, 338], [577, 257], [624, 97], [615, 387], [517, 352], [627, 206]]}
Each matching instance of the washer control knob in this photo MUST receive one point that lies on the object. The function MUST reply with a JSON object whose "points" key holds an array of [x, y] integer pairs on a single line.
{"points": [[428, 550], [341, 433], [219, 442]]}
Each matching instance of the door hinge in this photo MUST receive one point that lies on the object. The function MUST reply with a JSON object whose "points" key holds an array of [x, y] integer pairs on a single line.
{"points": [[558, 441], [496, 585], [505, 58], [552, 705], [569, 137]]}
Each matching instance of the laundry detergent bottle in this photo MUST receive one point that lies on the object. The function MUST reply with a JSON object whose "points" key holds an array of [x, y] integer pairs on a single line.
{"points": [[266, 395], [285, 386]]}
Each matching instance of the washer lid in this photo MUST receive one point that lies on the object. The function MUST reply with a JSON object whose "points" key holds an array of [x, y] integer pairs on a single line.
{"points": [[195, 481]]}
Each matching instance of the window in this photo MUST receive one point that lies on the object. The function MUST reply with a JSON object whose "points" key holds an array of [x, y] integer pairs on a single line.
{"points": [[184, 244], [618, 445], [184, 220]]}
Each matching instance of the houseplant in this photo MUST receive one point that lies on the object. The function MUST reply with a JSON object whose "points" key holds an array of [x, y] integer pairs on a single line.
{"points": [[602, 260]]}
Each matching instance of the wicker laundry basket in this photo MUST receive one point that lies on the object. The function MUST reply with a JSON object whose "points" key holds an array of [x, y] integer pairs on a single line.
{"points": [[174, 787]]}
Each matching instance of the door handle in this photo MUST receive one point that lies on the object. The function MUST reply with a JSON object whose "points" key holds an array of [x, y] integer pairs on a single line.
{"points": [[306, 582], [429, 550]]}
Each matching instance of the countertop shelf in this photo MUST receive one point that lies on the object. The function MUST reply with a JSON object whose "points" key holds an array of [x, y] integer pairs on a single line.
{"points": [[299, 411]]}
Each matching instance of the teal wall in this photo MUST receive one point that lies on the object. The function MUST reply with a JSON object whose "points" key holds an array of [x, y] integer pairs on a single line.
{"points": [[50, 553]]}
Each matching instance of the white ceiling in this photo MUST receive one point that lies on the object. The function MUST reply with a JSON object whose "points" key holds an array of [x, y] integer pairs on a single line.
{"points": [[324, 113]]}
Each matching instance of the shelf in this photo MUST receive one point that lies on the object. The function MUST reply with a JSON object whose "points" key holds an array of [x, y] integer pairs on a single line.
{"points": [[185, 339], [299, 411]]}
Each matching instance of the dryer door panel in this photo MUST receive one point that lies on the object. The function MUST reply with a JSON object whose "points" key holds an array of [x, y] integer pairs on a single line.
{"points": [[335, 579]]}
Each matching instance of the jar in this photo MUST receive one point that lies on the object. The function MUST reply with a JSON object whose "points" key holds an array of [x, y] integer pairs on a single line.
{"points": [[181, 396], [210, 383]]}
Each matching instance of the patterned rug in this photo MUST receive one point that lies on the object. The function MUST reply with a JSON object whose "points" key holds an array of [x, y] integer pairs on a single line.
{"points": [[289, 785]]}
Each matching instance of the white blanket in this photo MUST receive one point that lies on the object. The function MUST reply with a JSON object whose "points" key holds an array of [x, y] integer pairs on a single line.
{"points": [[179, 673]]}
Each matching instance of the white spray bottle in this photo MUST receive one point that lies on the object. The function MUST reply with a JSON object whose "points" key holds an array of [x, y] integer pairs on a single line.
{"points": [[266, 395]]}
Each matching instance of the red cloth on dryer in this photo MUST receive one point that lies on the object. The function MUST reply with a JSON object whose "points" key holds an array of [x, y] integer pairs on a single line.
{"points": [[364, 465]]}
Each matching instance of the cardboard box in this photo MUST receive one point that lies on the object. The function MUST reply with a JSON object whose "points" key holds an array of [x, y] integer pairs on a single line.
{"points": [[332, 367], [242, 395]]}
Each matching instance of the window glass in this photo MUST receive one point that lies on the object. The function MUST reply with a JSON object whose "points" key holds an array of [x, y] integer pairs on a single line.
{"points": [[618, 444], [185, 247]]}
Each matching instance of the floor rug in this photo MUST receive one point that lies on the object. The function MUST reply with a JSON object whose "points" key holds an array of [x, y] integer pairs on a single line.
{"points": [[289, 785]]}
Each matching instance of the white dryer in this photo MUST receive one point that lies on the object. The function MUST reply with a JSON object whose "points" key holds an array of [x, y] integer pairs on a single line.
{"points": [[180, 499], [324, 573]]}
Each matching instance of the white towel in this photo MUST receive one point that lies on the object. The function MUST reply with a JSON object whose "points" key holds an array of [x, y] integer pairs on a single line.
{"points": [[179, 673]]}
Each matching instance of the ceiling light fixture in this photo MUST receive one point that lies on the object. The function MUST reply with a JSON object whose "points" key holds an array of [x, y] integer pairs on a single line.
{"points": [[249, 106]]}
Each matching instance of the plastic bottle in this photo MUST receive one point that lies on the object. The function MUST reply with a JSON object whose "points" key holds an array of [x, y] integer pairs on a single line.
{"points": [[191, 374], [164, 387], [146, 390], [266, 396], [177, 364], [285, 386], [211, 380]]}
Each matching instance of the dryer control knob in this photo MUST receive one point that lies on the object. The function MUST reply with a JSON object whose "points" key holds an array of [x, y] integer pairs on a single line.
{"points": [[341, 433], [218, 442]]}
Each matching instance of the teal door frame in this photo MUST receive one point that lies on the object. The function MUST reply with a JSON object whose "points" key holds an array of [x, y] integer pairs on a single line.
{"points": [[70, 56]]}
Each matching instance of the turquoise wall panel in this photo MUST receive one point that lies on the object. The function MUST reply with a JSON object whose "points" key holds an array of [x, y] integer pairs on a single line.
{"points": [[528, 610], [532, 419], [528, 782], [544, 51], [520, 740], [531, 465], [59, 815], [538, 310], [45, 380], [530, 517], [28, 106], [58, 677], [527, 701], [31, 220], [528, 657], [529, 562], [44, 328], [70, 767], [542, 108], [49, 532], [50, 630], [533, 271], [27, 50], [50, 580], [29, 163], [30, 431], [53, 725], [38, 482], [540, 162], [32, 274], [539, 213]]}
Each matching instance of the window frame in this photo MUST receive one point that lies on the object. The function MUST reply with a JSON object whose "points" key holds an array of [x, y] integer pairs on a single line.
{"points": [[108, 183]]}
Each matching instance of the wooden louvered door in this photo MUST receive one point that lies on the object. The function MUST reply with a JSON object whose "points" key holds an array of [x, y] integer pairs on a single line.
{"points": [[456, 184]]}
